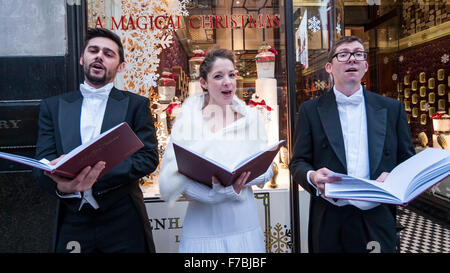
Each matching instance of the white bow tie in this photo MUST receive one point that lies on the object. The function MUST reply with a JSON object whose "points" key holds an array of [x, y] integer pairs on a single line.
{"points": [[354, 99], [90, 92]]}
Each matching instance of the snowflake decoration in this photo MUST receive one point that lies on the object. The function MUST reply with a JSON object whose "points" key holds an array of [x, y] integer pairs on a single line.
{"points": [[166, 41], [410, 44], [394, 77], [338, 28], [320, 84], [314, 24], [401, 59], [278, 239], [426, 107], [385, 60], [445, 58], [143, 47]]}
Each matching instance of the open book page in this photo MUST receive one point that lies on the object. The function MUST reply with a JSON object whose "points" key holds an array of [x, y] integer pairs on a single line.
{"points": [[428, 178], [358, 189], [404, 183], [251, 157], [112, 146], [409, 172], [200, 168], [42, 164], [240, 164]]}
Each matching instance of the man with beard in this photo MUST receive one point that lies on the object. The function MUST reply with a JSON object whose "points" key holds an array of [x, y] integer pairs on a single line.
{"points": [[107, 214]]}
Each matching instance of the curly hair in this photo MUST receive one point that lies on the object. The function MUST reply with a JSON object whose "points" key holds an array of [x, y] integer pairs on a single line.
{"points": [[211, 57]]}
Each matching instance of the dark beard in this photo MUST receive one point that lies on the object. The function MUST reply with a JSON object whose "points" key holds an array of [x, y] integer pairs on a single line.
{"points": [[94, 80]]}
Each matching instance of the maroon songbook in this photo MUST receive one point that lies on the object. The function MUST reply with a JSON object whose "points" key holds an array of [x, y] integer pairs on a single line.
{"points": [[112, 146], [201, 168]]}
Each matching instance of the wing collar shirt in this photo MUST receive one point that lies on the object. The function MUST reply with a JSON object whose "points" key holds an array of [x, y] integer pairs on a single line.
{"points": [[92, 114], [352, 115]]}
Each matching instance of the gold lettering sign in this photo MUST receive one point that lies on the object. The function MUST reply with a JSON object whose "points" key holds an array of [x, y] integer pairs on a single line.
{"points": [[441, 105], [440, 74], [431, 83], [441, 89], [423, 119], [406, 79], [415, 112], [205, 21], [423, 91], [414, 85], [10, 124], [431, 97], [432, 111], [415, 99], [165, 223], [422, 105], [422, 77], [407, 92]]}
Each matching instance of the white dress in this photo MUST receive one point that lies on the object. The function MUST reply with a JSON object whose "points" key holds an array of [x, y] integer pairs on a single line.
{"points": [[217, 219]]}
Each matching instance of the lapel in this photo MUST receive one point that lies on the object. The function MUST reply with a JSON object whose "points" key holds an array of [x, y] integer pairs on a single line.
{"points": [[376, 130], [116, 109], [69, 113], [70, 110], [329, 117]]}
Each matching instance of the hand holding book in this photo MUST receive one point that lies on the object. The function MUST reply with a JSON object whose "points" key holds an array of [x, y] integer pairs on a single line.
{"points": [[382, 177], [404, 183], [320, 178], [112, 146], [238, 184], [82, 182], [201, 168]]}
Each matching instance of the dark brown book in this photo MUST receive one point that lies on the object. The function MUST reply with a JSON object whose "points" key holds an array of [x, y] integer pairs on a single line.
{"points": [[201, 168], [112, 146]]}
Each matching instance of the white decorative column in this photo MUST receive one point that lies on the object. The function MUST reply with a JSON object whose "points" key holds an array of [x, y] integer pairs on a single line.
{"points": [[195, 88], [266, 89]]}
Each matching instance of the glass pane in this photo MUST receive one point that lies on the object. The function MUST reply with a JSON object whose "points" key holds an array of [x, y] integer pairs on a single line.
{"points": [[409, 61], [316, 24], [40, 23], [164, 45]]}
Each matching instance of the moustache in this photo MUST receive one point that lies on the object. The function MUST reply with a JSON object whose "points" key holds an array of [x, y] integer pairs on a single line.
{"points": [[97, 65]]}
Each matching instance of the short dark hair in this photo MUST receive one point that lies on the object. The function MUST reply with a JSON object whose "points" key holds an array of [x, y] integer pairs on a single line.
{"points": [[106, 33], [343, 40], [211, 57]]}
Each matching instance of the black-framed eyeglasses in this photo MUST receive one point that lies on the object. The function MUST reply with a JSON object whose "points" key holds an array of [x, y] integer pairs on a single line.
{"points": [[345, 56]]}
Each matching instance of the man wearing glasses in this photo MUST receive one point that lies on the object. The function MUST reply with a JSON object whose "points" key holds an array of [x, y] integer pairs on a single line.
{"points": [[353, 131]]}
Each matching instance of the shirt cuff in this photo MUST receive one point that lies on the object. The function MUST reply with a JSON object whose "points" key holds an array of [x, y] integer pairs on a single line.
{"points": [[311, 183], [68, 195]]}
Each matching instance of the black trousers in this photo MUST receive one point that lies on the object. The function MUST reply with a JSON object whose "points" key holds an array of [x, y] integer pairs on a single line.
{"points": [[117, 229], [348, 229]]}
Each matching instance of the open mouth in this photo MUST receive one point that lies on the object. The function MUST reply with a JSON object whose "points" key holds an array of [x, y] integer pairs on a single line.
{"points": [[227, 93], [97, 66], [351, 70]]}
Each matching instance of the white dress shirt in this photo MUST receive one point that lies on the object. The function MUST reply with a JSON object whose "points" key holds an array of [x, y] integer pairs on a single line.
{"points": [[352, 115], [92, 113]]}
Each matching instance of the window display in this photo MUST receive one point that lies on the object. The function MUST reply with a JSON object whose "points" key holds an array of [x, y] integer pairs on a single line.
{"points": [[164, 57]]}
